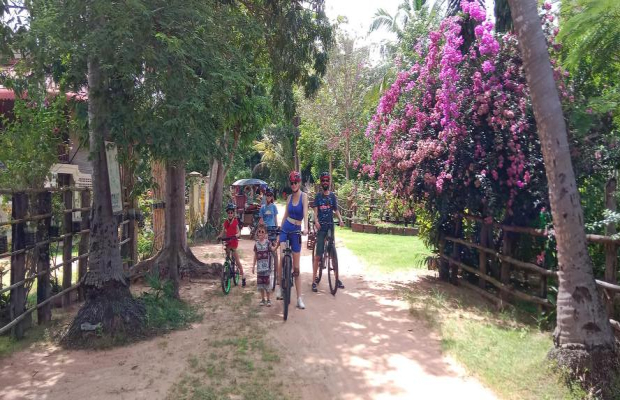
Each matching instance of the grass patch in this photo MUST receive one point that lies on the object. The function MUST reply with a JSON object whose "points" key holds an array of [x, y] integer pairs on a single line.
{"points": [[234, 362], [505, 353], [36, 334], [386, 253], [163, 311]]}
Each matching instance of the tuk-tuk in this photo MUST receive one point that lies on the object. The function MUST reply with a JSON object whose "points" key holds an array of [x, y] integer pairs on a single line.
{"points": [[248, 199]]}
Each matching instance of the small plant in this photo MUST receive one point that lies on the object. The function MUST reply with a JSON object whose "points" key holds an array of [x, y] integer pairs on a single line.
{"points": [[163, 311]]}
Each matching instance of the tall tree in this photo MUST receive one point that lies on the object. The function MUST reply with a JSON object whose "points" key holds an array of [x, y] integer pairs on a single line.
{"points": [[583, 337]]}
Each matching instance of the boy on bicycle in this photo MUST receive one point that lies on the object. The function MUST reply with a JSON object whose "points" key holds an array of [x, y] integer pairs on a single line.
{"points": [[231, 230], [269, 217], [325, 206]]}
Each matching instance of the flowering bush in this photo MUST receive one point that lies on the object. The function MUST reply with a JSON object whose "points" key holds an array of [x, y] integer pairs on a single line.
{"points": [[455, 131]]}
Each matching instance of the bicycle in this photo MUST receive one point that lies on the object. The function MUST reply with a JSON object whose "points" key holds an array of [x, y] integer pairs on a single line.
{"points": [[330, 262], [272, 233], [230, 269], [287, 273]]}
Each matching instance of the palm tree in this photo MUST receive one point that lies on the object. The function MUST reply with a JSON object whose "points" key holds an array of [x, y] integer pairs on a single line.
{"points": [[583, 337], [276, 154]]}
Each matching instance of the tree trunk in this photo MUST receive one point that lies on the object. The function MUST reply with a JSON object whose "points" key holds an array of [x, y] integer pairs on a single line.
{"points": [[159, 194], [215, 196], [109, 305], [175, 258], [583, 337]]}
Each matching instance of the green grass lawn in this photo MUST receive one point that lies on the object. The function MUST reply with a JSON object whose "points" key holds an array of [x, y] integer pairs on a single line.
{"points": [[505, 353], [386, 253]]}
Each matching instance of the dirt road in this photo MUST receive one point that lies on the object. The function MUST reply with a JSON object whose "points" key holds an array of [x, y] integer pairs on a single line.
{"points": [[363, 343], [360, 344]]}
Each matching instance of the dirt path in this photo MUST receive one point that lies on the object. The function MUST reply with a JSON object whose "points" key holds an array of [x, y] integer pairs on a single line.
{"points": [[361, 344]]}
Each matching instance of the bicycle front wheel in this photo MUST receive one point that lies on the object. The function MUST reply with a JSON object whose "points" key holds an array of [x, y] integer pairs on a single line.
{"points": [[287, 281], [331, 262], [226, 277], [272, 275]]}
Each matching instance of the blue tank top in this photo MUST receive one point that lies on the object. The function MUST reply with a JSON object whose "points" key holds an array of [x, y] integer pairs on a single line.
{"points": [[296, 212]]}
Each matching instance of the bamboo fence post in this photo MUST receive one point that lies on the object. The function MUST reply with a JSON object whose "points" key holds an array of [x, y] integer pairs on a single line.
{"points": [[482, 256], [67, 246], [44, 289], [84, 242], [456, 254], [18, 262], [507, 250]]}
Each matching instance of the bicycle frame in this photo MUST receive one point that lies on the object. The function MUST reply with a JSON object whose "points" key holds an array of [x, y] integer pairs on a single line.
{"points": [[287, 274]]}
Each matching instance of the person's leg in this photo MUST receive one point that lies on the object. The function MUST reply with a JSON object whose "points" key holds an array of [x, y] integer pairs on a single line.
{"points": [[320, 242], [296, 274], [238, 260]]}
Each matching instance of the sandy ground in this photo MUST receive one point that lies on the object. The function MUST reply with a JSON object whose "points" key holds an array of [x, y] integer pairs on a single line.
{"points": [[361, 344]]}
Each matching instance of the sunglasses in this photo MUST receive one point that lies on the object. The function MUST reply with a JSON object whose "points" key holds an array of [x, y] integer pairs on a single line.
{"points": [[230, 212], [294, 183], [324, 180]]}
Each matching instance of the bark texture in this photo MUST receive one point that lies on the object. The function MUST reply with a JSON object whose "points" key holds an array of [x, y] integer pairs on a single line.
{"points": [[175, 258], [109, 304], [215, 196], [583, 329], [159, 193]]}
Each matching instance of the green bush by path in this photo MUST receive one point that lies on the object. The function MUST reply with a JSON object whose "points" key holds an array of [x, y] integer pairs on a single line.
{"points": [[164, 312], [385, 253]]}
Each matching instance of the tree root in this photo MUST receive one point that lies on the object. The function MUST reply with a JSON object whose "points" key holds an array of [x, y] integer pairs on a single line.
{"points": [[185, 260], [110, 315], [597, 371]]}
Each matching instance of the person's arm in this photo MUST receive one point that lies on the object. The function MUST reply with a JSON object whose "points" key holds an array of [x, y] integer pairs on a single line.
{"points": [[275, 214], [254, 262], [261, 214], [315, 211], [305, 204], [238, 234], [337, 211]]}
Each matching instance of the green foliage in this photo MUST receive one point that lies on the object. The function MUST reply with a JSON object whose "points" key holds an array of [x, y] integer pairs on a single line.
{"points": [[276, 155], [145, 244], [163, 311], [29, 142]]}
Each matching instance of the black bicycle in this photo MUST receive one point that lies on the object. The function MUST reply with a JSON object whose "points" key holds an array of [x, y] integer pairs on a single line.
{"points": [[329, 261], [230, 270], [287, 272]]}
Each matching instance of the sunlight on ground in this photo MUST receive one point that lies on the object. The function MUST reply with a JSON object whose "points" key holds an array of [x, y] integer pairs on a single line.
{"points": [[385, 253]]}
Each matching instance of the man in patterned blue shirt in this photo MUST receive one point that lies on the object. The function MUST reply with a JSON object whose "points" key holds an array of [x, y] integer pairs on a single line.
{"points": [[325, 206]]}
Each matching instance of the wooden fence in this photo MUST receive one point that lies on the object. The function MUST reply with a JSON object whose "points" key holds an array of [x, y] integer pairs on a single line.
{"points": [[32, 234], [503, 278]]}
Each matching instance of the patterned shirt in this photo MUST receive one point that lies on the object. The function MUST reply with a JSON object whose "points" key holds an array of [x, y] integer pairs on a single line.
{"points": [[262, 252], [326, 206]]}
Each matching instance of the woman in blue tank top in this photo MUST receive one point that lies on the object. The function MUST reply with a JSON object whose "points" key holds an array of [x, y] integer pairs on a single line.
{"points": [[296, 211]]}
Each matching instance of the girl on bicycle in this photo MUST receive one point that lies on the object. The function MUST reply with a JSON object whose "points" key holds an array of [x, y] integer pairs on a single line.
{"points": [[295, 212], [269, 217], [230, 230], [262, 249]]}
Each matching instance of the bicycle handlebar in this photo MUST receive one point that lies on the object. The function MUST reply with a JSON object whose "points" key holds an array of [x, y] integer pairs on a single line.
{"points": [[227, 239]]}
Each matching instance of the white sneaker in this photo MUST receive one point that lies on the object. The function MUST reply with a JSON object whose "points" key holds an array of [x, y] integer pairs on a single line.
{"points": [[278, 293], [300, 304]]}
